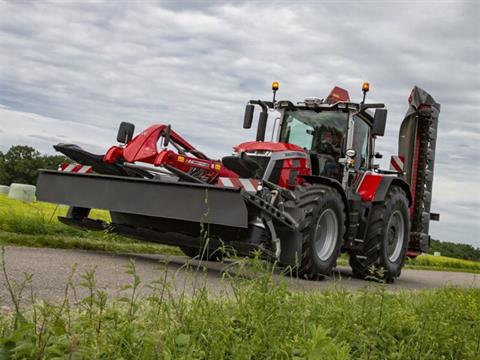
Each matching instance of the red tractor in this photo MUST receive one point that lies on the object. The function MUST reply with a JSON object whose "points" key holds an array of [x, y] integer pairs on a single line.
{"points": [[300, 200]]}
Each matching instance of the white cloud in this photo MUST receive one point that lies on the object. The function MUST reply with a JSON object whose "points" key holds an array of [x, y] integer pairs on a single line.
{"points": [[83, 67], [41, 132]]}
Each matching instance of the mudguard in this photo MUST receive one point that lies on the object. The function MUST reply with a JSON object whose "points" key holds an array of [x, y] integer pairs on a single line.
{"points": [[328, 182], [384, 185]]}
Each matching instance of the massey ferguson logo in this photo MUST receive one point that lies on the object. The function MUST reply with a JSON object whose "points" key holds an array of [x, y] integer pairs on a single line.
{"points": [[295, 154]]}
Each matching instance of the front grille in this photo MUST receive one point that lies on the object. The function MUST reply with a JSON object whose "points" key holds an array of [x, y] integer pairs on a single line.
{"points": [[262, 160]]}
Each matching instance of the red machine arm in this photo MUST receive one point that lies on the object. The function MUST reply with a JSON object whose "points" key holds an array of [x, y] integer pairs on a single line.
{"points": [[143, 148]]}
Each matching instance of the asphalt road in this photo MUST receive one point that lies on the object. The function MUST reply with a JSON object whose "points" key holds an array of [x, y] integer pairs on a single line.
{"points": [[51, 269]]}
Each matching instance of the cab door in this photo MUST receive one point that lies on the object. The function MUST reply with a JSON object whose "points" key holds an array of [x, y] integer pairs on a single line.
{"points": [[361, 143]]}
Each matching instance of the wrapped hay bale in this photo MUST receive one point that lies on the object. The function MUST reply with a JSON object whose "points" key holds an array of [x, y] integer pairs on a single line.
{"points": [[22, 192], [4, 189]]}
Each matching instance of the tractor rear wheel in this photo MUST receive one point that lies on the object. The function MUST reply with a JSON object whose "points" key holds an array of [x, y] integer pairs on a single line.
{"points": [[322, 230], [386, 240]]}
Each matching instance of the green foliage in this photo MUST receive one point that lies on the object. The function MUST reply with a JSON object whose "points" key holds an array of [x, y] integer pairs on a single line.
{"points": [[36, 225], [459, 251], [427, 261], [258, 319], [20, 164]]}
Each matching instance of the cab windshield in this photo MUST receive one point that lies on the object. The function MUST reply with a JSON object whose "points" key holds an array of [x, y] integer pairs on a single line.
{"points": [[318, 132]]}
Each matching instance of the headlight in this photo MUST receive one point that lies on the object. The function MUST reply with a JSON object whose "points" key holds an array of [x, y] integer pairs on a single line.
{"points": [[351, 153]]}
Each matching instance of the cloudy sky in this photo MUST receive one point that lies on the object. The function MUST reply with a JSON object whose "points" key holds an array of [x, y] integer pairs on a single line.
{"points": [[72, 71]]}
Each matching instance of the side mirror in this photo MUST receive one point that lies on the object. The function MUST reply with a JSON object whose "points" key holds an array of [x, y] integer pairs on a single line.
{"points": [[248, 118], [125, 132], [379, 122], [262, 125]]}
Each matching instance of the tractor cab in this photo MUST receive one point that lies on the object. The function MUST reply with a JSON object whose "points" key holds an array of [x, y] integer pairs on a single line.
{"points": [[336, 134]]}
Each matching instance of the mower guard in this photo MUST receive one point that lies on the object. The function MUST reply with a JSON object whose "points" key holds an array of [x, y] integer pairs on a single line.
{"points": [[200, 203]]}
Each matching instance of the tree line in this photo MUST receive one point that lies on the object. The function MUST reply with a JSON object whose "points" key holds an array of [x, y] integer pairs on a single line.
{"points": [[459, 251], [20, 164]]}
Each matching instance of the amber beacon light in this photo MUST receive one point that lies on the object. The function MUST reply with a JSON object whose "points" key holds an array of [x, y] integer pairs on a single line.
{"points": [[365, 89], [275, 86]]}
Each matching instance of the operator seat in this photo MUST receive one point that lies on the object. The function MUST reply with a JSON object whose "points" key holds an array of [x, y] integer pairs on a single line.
{"points": [[325, 165]]}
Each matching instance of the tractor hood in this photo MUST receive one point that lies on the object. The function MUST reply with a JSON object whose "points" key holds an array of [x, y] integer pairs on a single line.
{"points": [[266, 146]]}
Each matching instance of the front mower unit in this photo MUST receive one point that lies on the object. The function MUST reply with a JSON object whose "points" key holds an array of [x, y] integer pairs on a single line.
{"points": [[173, 213]]}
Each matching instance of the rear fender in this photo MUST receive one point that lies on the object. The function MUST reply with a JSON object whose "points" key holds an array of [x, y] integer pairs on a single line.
{"points": [[329, 182], [373, 187], [386, 183]]}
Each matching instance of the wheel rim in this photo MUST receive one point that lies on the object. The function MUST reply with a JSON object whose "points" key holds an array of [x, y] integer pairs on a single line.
{"points": [[395, 235], [326, 234]]}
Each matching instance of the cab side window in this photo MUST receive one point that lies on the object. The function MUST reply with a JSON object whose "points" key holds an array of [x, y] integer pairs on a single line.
{"points": [[361, 137]]}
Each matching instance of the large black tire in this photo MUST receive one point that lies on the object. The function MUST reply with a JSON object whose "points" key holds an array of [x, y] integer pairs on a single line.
{"points": [[386, 241], [322, 230]]}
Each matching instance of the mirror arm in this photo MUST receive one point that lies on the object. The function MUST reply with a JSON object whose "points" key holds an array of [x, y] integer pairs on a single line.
{"points": [[264, 104], [364, 107]]}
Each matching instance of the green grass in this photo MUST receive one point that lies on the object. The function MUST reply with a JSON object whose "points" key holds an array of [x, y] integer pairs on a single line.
{"points": [[430, 262], [444, 263], [36, 225], [261, 320]]}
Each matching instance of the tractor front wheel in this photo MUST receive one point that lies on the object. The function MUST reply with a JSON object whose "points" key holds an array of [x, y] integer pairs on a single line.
{"points": [[386, 241], [323, 228]]}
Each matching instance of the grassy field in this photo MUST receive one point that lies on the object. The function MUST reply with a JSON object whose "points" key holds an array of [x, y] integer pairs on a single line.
{"points": [[36, 225], [262, 320], [444, 263]]}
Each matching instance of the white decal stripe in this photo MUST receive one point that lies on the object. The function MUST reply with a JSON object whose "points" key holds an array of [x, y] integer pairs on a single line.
{"points": [[399, 161], [247, 185], [396, 163], [84, 169], [226, 182], [75, 168], [70, 167]]}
